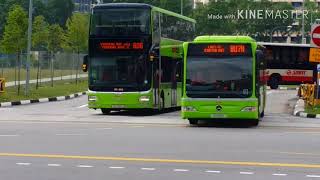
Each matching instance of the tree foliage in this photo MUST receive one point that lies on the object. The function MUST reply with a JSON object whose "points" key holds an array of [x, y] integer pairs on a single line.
{"points": [[14, 38], [56, 38], [76, 37], [60, 11], [5, 5], [40, 33]]}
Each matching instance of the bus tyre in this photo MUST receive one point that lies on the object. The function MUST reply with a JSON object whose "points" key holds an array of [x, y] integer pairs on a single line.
{"points": [[255, 122], [193, 121], [274, 82], [105, 111]]}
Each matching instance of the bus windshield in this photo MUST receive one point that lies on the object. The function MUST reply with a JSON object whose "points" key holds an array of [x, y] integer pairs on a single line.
{"points": [[119, 73], [224, 77], [120, 21]]}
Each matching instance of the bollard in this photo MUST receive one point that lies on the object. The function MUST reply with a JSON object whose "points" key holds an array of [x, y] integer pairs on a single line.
{"points": [[2, 85]]}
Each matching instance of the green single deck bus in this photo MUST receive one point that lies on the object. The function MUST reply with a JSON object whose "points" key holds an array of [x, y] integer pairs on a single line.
{"points": [[135, 56], [223, 79]]}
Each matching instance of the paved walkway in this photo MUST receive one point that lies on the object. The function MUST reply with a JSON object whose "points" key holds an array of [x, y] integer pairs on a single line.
{"points": [[33, 81]]}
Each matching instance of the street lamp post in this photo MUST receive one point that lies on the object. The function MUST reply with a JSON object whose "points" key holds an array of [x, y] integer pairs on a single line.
{"points": [[302, 30], [278, 27], [29, 48]]}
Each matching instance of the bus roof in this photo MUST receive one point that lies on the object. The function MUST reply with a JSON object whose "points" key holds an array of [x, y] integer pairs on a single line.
{"points": [[237, 39], [142, 5], [283, 44]]}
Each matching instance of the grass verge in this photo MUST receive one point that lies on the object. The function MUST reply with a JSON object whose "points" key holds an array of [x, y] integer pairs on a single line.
{"points": [[312, 110], [60, 88], [9, 73]]}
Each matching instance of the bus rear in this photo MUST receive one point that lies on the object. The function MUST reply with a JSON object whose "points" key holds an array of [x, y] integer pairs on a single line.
{"points": [[220, 79]]}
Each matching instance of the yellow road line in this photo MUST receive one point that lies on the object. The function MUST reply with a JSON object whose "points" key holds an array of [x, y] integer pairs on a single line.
{"points": [[239, 163]]}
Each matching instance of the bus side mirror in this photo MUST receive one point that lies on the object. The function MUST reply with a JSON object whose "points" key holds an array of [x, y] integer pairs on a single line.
{"points": [[85, 63]]}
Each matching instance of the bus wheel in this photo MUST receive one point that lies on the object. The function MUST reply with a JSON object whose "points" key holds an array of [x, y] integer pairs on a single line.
{"points": [[255, 122], [274, 82], [193, 121], [105, 111]]}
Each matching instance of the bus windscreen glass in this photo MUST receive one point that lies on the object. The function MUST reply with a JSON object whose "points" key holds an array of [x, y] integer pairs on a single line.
{"points": [[224, 71], [120, 21]]}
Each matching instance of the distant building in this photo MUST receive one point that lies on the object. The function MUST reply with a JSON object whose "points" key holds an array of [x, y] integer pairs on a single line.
{"points": [[82, 5]]}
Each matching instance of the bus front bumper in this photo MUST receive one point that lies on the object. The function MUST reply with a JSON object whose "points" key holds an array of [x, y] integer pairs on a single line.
{"points": [[220, 109], [132, 100]]}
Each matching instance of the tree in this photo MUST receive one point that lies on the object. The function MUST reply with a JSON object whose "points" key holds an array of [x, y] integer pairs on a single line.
{"points": [[60, 11], [40, 35], [39, 9], [76, 38], [55, 42], [14, 38]]}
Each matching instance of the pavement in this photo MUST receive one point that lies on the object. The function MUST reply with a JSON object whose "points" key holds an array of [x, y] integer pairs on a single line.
{"points": [[59, 78], [65, 140]]}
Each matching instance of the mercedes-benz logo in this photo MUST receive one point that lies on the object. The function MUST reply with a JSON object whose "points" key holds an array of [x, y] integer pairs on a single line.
{"points": [[218, 108]]}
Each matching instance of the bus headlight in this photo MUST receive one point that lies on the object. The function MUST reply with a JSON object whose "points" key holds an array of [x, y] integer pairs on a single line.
{"points": [[188, 109], [249, 109], [144, 99], [92, 98]]}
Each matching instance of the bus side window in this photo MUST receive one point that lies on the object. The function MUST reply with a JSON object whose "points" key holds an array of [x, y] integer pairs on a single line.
{"points": [[260, 67]]}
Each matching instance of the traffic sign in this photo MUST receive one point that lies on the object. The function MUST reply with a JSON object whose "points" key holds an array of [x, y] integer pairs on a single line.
{"points": [[315, 35], [314, 55]]}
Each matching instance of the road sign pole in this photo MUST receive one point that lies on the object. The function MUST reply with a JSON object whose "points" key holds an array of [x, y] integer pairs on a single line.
{"points": [[318, 81]]}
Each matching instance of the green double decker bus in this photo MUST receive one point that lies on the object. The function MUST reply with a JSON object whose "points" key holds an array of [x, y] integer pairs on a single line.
{"points": [[223, 79], [135, 56]]}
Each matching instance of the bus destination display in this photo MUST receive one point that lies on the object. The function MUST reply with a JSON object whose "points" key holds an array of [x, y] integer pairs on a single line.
{"points": [[220, 49], [121, 45]]}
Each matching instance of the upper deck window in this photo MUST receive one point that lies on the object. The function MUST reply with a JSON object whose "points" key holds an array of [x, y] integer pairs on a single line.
{"points": [[120, 21]]}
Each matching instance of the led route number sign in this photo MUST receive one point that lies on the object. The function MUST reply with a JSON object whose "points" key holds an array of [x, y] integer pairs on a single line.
{"points": [[222, 49], [121, 45]]}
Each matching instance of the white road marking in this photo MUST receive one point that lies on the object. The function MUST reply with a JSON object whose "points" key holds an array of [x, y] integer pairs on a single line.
{"points": [[85, 105], [180, 170], [313, 176], [247, 173], [9, 135], [71, 134], [115, 167], [84, 166], [23, 164], [217, 172], [54, 165], [103, 128], [279, 174], [148, 169], [137, 126]]}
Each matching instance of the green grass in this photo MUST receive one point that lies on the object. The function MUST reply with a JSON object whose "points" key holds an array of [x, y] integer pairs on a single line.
{"points": [[9, 73], [60, 88], [312, 110]]}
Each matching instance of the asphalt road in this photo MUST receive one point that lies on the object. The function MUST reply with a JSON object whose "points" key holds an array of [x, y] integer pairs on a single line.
{"points": [[65, 140]]}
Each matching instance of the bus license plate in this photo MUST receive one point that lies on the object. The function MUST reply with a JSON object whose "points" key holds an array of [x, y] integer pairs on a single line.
{"points": [[118, 106], [218, 116]]}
